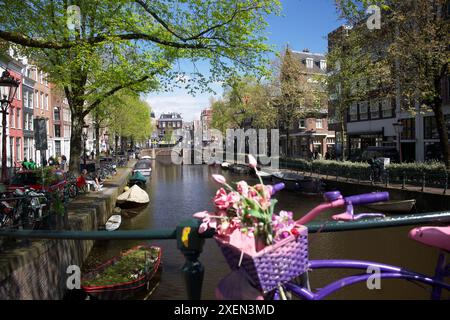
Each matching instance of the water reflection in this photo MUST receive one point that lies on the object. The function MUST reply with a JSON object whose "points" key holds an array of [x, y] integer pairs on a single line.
{"points": [[176, 192]]}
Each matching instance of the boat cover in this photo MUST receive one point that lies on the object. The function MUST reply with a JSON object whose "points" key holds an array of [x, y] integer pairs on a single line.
{"points": [[134, 194]]}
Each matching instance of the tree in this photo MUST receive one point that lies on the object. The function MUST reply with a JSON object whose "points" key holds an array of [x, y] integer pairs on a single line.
{"points": [[298, 93], [416, 35], [353, 76], [121, 44]]}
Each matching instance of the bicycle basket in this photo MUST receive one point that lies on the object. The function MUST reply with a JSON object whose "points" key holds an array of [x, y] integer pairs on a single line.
{"points": [[275, 264]]}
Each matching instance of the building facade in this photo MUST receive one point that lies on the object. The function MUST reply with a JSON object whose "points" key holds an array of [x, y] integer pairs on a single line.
{"points": [[371, 122], [310, 136], [14, 132], [167, 123]]}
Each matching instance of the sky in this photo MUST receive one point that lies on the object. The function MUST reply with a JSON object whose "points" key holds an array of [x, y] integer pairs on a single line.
{"points": [[302, 24]]}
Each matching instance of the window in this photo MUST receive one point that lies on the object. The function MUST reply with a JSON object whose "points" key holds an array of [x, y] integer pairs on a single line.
{"points": [[409, 129], [319, 124], [25, 148], [323, 64], [36, 93], [46, 102], [56, 114], [58, 148], [386, 108], [30, 122], [11, 118], [25, 99], [18, 124], [25, 125], [363, 110], [301, 123], [31, 102], [353, 112], [57, 131], [163, 124], [42, 100], [18, 153], [309, 63], [41, 77], [374, 109], [18, 93]]}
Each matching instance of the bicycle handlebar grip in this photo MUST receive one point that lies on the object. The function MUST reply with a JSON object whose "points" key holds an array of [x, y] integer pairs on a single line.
{"points": [[277, 187], [366, 198]]}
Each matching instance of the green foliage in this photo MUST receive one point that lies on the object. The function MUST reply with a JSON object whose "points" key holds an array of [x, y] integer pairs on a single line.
{"points": [[128, 116]]}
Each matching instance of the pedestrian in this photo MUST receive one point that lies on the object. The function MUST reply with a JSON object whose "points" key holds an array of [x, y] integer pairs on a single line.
{"points": [[92, 155], [32, 164], [63, 162], [327, 155], [25, 164]]}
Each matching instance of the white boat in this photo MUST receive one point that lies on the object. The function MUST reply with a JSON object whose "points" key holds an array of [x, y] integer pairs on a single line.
{"points": [[403, 206], [133, 198], [113, 222], [225, 165]]}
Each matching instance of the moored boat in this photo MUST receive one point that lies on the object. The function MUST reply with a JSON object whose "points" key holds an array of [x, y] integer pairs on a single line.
{"points": [[399, 206], [133, 198], [113, 222], [124, 276], [225, 165], [298, 182], [240, 169], [138, 179], [265, 176]]}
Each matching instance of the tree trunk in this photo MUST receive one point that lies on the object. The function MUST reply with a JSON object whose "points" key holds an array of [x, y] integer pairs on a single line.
{"points": [[75, 142], [97, 144], [343, 138]]}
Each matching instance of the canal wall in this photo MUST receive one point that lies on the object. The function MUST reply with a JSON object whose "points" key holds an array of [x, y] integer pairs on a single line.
{"points": [[38, 271]]}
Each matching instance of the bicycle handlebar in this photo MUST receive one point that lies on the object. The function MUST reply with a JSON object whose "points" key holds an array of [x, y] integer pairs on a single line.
{"points": [[366, 198], [334, 199]]}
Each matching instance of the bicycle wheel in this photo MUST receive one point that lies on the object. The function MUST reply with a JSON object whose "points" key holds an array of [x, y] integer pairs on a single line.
{"points": [[72, 191]]}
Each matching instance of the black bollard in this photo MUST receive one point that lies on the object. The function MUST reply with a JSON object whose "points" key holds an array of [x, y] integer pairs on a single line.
{"points": [[190, 244]]}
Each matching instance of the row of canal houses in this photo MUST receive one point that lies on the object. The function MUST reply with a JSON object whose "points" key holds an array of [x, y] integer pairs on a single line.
{"points": [[35, 98]]}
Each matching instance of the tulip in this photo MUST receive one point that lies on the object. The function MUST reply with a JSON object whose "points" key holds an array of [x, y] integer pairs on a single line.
{"points": [[252, 161], [219, 178], [201, 215]]}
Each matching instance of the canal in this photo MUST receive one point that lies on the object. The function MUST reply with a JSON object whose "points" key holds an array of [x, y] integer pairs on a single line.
{"points": [[176, 192]]}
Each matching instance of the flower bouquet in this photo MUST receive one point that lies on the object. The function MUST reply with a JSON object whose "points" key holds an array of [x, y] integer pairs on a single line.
{"points": [[271, 247]]}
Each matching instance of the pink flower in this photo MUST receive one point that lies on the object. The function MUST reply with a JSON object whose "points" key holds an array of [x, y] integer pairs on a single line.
{"points": [[252, 161], [219, 178], [242, 188], [234, 198], [221, 200], [201, 215]]}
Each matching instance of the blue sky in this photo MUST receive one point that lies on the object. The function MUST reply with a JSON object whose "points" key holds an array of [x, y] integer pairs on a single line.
{"points": [[303, 24]]}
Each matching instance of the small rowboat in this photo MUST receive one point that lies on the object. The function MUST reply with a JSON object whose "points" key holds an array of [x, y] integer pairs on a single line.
{"points": [[113, 222], [124, 276], [399, 206], [133, 198]]}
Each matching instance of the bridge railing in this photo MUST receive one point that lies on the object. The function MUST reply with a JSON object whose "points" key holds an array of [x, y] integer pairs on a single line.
{"points": [[190, 242]]}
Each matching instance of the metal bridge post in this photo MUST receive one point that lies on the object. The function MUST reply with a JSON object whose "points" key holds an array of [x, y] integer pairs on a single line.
{"points": [[190, 244]]}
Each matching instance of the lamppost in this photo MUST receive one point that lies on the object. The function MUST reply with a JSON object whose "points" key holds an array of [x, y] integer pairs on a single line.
{"points": [[84, 135], [398, 127], [10, 85]]}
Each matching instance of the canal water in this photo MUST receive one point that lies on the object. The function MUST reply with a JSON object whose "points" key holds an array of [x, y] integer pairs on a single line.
{"points": [[176, 192]]}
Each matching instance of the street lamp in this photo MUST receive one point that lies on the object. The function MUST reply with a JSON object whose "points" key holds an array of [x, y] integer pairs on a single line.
{"points": [[84, 135], [398, 127], [8, 86]]}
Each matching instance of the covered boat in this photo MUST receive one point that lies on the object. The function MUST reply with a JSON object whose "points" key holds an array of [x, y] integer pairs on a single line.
{"points": [[398, 206], [124, 276], [133, 198], [138, 179]]}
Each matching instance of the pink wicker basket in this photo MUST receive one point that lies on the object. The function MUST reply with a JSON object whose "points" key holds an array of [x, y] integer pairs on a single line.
{"points": [[275, 264]]}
